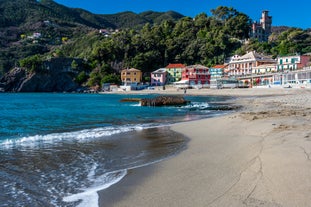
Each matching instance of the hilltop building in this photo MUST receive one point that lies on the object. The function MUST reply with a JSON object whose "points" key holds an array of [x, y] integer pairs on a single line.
{"points": [[262, 30]]}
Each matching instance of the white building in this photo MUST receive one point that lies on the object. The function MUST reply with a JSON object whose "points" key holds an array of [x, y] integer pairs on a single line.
{"points": [[243, 65]]}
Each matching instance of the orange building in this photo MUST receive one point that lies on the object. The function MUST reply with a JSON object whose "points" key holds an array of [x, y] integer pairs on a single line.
{"points": [[131, 75]]}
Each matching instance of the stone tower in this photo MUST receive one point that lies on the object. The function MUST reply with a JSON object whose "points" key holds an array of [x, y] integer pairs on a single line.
{"points": [[262, 30], [266, 22]]}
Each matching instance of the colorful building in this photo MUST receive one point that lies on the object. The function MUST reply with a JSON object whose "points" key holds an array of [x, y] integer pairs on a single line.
{"points": [[196, 74], [294, 62], [262, 30], [132, 75], [217, 72], [158, 77], [174, 72], [243, 65]]}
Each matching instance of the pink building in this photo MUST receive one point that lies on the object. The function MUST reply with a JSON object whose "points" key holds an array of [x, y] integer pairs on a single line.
{"points": [[196, 74], [158, 77]]}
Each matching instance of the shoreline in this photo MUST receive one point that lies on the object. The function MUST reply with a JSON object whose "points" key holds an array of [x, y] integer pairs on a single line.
{"points": [[258, 156], [241, 92]]}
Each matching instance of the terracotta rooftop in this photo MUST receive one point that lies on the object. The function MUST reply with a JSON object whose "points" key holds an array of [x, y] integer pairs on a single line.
{"points": [[219, 66], [175, 65]]}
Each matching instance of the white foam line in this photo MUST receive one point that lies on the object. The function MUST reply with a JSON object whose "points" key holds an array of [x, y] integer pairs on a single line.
{"points": [[90, 196], [82, 135]]}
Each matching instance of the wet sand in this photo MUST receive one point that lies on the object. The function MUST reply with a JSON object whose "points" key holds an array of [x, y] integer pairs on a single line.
{"points": [[258, 156]]}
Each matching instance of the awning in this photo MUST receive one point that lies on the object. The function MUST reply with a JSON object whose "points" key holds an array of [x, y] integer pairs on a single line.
{"points": [[182, 82]]}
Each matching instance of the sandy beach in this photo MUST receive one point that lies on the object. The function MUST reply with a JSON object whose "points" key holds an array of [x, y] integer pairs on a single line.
{"points": [[258, 156]]}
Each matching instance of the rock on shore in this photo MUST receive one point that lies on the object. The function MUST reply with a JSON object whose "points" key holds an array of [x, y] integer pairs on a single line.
{"points": [[163, 101]]}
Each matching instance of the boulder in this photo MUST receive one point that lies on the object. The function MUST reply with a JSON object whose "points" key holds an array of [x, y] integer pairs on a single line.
{"points": [[164, 101]]}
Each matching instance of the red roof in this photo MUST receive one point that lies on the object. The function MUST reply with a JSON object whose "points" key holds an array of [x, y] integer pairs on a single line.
{"points": [[219, 66], [175, 65]]}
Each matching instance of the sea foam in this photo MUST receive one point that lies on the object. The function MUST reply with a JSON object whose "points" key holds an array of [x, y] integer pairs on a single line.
{"points": [[89, 197], [80, 136]]}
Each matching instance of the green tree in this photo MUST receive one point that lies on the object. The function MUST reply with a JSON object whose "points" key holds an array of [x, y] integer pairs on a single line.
{"points": [[74, 65], [81, 78], [95, 78], [111, 78], [32, 63], [224, 13]]}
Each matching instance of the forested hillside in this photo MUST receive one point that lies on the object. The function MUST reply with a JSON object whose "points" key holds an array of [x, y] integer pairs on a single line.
{"points": [[146, 41], [22, 20]]}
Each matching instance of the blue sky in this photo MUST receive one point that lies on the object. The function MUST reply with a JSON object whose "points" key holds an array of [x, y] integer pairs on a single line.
{"points": [[284, 12]]}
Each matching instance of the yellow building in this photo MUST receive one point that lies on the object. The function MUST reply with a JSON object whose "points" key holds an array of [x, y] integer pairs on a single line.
{"points": [[131, 76]]}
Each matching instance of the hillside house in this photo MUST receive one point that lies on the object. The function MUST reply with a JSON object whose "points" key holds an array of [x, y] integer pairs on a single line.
{"points": [[262, 30]]}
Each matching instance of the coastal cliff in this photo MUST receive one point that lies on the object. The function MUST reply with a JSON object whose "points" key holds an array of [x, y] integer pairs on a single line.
{"points": [[56, 76]]}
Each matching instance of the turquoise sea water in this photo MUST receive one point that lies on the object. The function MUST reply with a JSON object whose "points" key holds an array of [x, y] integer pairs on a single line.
{"points": [[60, 149]]}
